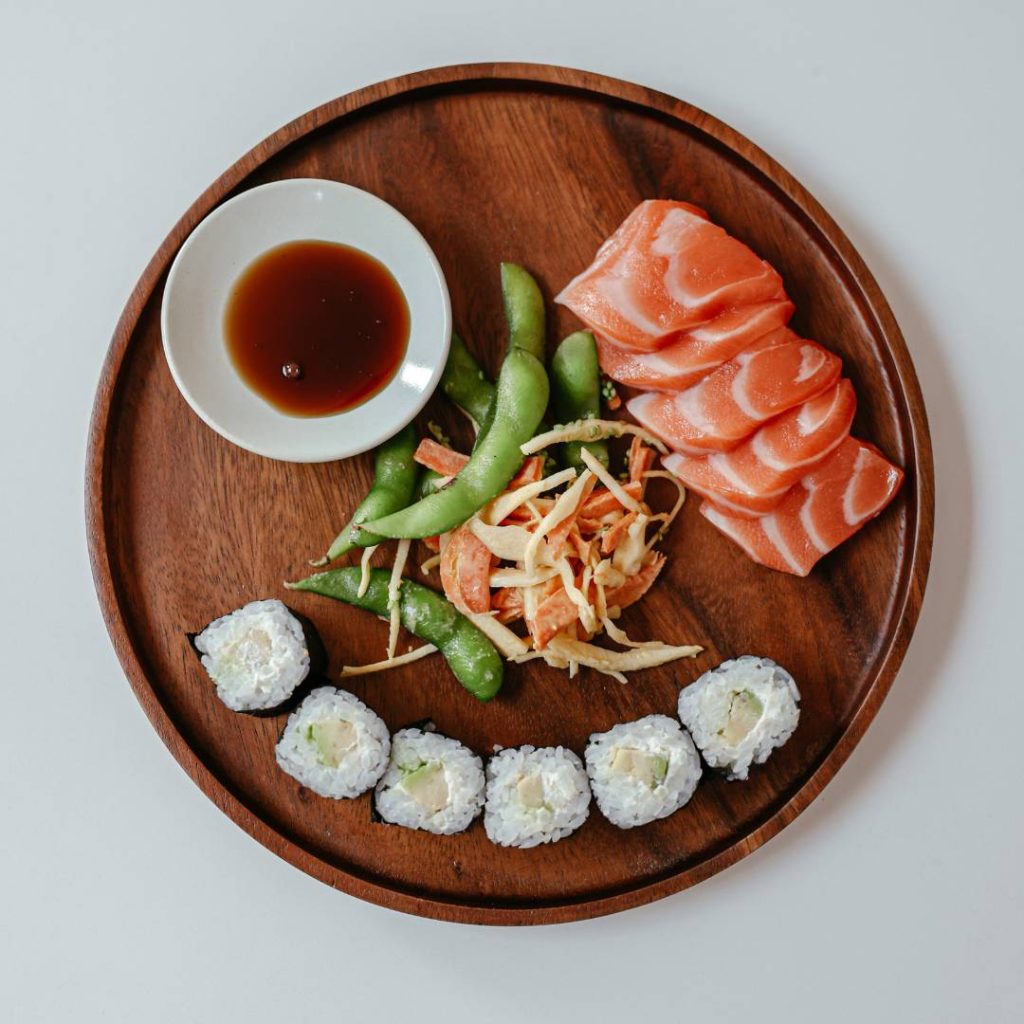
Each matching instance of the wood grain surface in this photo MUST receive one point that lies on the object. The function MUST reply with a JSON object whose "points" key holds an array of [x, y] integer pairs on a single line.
{"points": [[537, 165]]}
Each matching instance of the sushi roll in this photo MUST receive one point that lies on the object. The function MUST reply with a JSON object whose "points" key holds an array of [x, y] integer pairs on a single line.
{"points": [[432, 782], [256, 656], [740, 712], [535, 796], [643, 770], [334, 744]]}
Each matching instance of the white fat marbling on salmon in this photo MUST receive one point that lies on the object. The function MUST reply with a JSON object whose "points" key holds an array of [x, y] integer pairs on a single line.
{"points": [[807, 422], [770, 526], [690, 405], [807, 522], [812, 357], [730, 527], [761, 452], [850, 514], [615, 288]]}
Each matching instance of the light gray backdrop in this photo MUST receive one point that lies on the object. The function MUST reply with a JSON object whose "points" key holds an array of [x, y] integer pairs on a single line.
{"points": [[126, 896]]}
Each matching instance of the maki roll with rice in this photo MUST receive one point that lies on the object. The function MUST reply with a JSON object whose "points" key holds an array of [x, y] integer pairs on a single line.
{"points": [[334, 744], [740, 712], [432, 783], [257, 656], [535, 796], [643, 770]]}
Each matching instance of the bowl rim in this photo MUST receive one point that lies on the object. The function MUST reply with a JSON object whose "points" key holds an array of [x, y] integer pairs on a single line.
{"points": [[366, 438]]}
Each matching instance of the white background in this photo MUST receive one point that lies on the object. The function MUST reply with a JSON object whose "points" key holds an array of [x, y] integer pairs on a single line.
{"points": [[126, 896]]}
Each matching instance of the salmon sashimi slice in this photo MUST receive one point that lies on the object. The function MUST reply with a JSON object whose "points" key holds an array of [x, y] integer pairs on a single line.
{"points": [[829, 505], [772, 375], [665, 270], [753, 478], [691, 356]]}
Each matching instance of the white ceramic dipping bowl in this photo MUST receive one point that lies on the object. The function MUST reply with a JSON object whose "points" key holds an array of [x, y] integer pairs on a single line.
{"points": [[226, 242]]}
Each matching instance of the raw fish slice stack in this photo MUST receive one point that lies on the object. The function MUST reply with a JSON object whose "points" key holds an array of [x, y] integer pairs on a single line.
{"points": [[758, 417], [830, 504]]}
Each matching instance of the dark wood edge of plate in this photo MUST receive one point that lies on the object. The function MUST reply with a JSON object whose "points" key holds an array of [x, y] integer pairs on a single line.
{"points": [[918, 541]]}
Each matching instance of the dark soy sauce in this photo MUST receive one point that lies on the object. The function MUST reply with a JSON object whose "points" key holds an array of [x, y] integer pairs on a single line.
{"points": [[315, 328]]}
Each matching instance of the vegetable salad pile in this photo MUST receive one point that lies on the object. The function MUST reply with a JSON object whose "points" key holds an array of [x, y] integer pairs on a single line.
{"points": [[557, 555]]}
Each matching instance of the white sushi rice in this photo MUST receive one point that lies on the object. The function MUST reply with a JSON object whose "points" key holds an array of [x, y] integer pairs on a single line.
{"points": [[432, 783], [740, 712], [535, 796], [334, 744], [256, 656], [643, 770]]}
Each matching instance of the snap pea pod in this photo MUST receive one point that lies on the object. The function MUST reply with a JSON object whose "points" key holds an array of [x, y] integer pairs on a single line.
{"points": [[394, 478], [519, 404], [466, 384], [470, 655], [576, 391]]}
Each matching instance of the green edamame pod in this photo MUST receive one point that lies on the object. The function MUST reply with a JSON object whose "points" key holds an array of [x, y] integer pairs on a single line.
{"points": [[466, 384], [524, 313], [576, 392], [519, 404], [470, 655], [427, 483], [524, 310], [394, 478]]}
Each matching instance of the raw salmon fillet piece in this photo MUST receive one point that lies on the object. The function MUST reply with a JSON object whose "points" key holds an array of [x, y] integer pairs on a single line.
{"points": [[772, 375], [665, 270], [690, 356], [753, 478], [829, 505]]}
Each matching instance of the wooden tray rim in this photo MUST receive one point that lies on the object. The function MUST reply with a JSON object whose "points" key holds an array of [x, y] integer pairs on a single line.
{"points": [[914, 570]]}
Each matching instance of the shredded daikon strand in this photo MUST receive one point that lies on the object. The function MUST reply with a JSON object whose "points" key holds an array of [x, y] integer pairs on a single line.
{"points": [[531, 601], [600, 601], [620, 636], [380, 666], [431, 563], [394, 591], [522, 578], [508, 643], [509, 543], [577, 596], [505, 504], [590, 430], [607, 575], [562, 509], [553, 660], [364, 565], [667, 517], [619, 661], [623, 497], [629, 555]]}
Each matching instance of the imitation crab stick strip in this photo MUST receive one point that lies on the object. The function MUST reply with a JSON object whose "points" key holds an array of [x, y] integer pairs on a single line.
{"points": [[603, 502], [640, 460], [439, 458], [466, 572]]}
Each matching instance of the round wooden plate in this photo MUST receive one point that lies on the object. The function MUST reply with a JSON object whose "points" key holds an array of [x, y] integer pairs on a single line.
{"points": [[537, 165]]}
